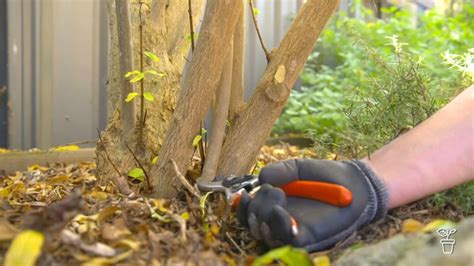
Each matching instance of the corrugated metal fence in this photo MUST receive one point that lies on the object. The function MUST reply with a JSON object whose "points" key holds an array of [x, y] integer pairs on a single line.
{"points": [[57, 65]]}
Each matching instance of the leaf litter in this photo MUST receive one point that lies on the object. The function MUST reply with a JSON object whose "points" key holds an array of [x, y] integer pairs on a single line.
{"points": [[72, 216]]}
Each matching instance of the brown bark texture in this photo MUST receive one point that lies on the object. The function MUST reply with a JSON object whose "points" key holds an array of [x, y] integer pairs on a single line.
{"points": [[199, 87], [165, 26], [253, 124]]}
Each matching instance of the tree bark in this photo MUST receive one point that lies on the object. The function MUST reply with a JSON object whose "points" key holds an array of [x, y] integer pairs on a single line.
{"points": [[127, 112], [219, 119], [237, 88], [258, 116], [162, 36], [199, 87]]}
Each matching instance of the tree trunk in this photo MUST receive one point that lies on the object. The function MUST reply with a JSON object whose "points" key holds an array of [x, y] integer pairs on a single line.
{"points": [[199, 87], [166, 25], [253, 124]]}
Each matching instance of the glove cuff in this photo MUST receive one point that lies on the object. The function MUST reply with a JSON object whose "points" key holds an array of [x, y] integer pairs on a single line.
{"points": [[379, 187]]}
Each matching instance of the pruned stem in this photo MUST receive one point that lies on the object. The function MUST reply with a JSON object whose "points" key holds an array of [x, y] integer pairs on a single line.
{"points": [[191, 27], [219, 119], [257, 29]]}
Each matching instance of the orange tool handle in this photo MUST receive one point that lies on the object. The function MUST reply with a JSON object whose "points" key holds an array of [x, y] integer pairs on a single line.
{"points": [[333, 194]]}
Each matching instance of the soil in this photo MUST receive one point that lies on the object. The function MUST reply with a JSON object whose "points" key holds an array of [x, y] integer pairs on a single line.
{"points": [[85, 220]]}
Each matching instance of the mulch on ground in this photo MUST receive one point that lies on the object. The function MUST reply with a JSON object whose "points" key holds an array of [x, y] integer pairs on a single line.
{"points": [[86, 220]]}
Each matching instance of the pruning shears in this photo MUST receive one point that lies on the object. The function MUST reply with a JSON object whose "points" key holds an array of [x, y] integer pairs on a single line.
{"points": [[233, 186]]}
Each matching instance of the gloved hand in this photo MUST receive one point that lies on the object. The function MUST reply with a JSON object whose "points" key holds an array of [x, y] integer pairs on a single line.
{"points": [[270, 212]]}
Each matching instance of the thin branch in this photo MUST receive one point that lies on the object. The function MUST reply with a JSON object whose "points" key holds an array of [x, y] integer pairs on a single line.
{"points": [[142, 97], [184, 181], [107, 154], [242, 252], [259, 34], [140, 165], [191, 27], [202, 152]]}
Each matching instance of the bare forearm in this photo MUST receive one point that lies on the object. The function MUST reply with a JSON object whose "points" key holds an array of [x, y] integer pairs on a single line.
{"points": [[436, 155]]}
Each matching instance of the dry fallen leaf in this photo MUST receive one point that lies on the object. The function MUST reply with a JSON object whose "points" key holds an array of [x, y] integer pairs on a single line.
{"points": [[25, 249], [411, 226]]}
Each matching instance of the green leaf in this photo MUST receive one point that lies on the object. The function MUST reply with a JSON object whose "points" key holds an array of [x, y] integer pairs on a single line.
{"points": [[137, 173], [130, 96], [185, 215], [196, 140], [137, 77], [148, 96], [256, 11], [203, 131], [129, 74], [202, 203], [152, 56], [188, 36], [154, 160], [287, 254], [156, 73]]}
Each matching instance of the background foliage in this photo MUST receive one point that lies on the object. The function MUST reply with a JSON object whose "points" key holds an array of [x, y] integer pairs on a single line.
{"points": [[369, 80]]}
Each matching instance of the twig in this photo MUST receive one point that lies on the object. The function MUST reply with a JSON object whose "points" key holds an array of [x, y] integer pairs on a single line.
{"points": [[142, 97], [191, 28], [185, 182], [107, 154], [201, 146], [259, 34], [235, 244], [140, 165]]}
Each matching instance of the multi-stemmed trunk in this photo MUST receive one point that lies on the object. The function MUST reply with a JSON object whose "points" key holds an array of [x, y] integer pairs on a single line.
{"points": [[215, 71]]}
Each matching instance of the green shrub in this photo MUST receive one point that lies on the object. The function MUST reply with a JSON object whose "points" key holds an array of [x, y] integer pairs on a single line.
{"points": [[368, 81]]}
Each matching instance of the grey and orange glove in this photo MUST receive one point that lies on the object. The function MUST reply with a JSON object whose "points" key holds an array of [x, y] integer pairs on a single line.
{"points": [[281, 214]]}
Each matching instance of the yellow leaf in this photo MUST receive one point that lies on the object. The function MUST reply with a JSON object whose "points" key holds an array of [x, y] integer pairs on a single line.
{"points": [[256, 11], [99, 195], [67, 148], [37, 167], [321, 261], [196, 140], [437, 224], [4, 192], [25, 249], [154, 160], [280, 74], [3, 151], [152, 56], [185, 216], [411, 226], [57, 179], [130, 96], [149, 96]]}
